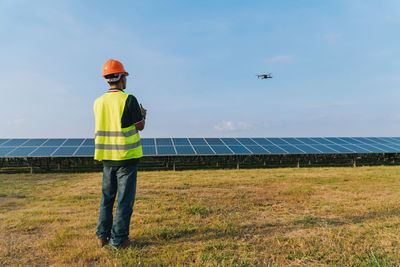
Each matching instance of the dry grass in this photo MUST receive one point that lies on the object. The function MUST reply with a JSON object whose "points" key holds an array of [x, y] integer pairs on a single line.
{"points": [[318, 216]]}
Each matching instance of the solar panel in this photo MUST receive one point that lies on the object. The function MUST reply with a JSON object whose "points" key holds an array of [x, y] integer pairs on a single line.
{"points": [[221, 150], [197, 141], [44, 151], [355, 148], [395, 141], [371, 148], [277, 141], [394, 146], [14, 142], [273, 149], [230, 141], [391, 140], [5, 150], [256, 149], [65, 151], [336, 140], [21, 151], [246, 141], [165, 150], [364, 140], [149, 150], [323, 149], [185, 150], [3, 141], [73, 142], [262, 141], [339, 148], [352, 141], [214, 141], [239, 150], [181, 141], [203, 150], [387, 148], [307, 141], [88, 142], [308, 149], [34, 142], [54, 142], [292, 149], [382, 140], [163, 141], [292, 141], [147, 141], [75, 147], [321, 140], [85, 151]]}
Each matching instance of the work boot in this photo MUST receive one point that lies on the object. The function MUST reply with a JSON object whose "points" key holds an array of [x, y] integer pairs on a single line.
{"points": [[102, 242], [124, 244]]}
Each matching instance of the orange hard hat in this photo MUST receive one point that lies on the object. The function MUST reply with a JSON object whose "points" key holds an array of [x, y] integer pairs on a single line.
{"points": [[113, 67]]}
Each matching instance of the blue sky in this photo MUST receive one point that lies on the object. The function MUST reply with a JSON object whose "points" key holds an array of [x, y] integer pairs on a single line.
{"points": [[336, 66]]}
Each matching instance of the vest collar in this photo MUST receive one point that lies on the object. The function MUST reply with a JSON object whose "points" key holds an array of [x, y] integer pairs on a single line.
{"points": [[112, 90]]}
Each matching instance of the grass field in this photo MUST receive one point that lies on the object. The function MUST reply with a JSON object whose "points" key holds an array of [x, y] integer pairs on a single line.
{"points": [[293, 216]]}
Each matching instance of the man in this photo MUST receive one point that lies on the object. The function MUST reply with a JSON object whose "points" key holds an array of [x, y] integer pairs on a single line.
{"points": [[118, 119]]}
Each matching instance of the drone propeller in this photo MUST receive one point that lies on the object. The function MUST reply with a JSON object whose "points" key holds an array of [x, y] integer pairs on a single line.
{"points": [[264, 76]]}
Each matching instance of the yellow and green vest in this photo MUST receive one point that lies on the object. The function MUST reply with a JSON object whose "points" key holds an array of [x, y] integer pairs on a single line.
{"points": [[112, 142]]}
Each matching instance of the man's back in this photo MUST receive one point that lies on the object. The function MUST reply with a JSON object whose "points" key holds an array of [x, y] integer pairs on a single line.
{"points": [[118, 120]]}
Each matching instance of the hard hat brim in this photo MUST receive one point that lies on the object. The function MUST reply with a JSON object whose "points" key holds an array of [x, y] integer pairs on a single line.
{"points": [[117, 78]]}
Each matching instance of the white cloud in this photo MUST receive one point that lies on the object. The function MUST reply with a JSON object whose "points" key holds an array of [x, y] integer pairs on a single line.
{"points": [[282, 59], [230, 126], [225, 126], [243, 125]]}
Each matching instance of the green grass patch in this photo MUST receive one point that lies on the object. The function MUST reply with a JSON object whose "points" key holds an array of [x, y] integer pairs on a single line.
{"points": [[260, 217], [197, 210]]}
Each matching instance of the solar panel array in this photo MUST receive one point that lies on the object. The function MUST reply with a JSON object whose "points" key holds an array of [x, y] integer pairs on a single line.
{"points": [[46, 147], [81, 147]]}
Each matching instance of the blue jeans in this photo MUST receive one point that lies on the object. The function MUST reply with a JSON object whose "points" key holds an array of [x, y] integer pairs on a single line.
{"points": [[122, 180]]}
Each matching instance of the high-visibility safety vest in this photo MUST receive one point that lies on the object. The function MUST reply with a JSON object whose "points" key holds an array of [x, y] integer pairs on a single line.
{"points": [[113, 142]]}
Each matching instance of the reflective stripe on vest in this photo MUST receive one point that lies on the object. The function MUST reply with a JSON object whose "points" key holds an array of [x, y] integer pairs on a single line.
{"points": [[116, 133], [112, 142], [118, 147]]}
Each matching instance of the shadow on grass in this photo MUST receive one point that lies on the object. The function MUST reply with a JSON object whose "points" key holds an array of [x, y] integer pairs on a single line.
{"points": [[311, 221], [228, 230]]}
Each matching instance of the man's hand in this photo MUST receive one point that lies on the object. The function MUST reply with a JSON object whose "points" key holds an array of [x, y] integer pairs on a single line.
{"points": [[140, 125], [143, 110]]}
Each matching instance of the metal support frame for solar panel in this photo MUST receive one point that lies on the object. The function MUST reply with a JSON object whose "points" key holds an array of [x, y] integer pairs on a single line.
{"points": [[185, 149]]}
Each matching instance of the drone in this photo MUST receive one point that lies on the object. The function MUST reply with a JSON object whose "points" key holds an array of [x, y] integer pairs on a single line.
{"points": [[264, 76]]}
